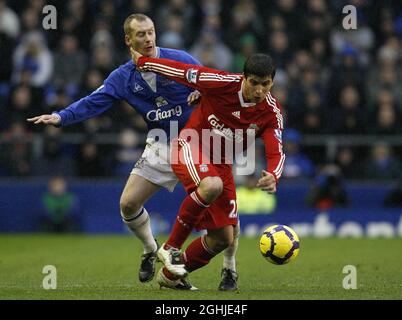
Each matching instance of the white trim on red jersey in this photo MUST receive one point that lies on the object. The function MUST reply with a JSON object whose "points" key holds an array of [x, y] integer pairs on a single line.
{"points": [[272, 102]]}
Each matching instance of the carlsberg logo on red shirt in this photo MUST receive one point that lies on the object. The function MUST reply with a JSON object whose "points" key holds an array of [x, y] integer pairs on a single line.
{"points": [[225, 131]]}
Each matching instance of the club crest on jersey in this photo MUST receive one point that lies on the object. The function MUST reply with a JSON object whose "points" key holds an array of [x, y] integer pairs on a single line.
{"points": [[204, 168], [278, 135], [160, 102], [191, 75]]}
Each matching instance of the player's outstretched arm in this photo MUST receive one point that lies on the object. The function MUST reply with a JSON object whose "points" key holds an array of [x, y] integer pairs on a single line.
{"points": [[192, 75], [52, 119]]}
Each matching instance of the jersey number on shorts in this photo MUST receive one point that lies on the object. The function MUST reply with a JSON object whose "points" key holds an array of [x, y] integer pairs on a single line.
{"points": [[233, 213]]}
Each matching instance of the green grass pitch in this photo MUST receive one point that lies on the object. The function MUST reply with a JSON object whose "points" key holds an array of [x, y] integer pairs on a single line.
{"points": [[105, 267]]}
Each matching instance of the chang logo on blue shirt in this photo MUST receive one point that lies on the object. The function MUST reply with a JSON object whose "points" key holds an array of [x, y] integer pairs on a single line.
{"points": [[157, 115]]}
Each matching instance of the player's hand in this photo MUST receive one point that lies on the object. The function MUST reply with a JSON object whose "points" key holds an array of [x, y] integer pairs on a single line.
{"points": [[267, 182], [135, 55], [46, 119], [193, 97]]}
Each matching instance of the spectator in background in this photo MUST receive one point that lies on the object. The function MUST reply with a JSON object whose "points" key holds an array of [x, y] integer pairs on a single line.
{"points": [[312, 117], [54, 157], [385, 119], [76, 20], [21, 105], [212, 52], [308, 83], [252, 200], [346, 71], [172, 35], [89, 162], [382, 164], [347, 163], [33, 56], [279, 48], [102, 60], [297, 164], [16, 154], [289, 10], [70, 63], [244, 20], [320, 53], [316, 23], [348, 117], [60, 208], [183, 11], [248, 46], [386, 74], [328, 190]]}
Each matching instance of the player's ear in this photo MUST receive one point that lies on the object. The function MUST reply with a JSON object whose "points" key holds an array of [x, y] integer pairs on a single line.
{"points": [[127, 40]]}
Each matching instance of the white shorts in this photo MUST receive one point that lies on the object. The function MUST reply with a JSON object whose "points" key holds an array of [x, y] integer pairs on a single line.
{"points": [[154, 165]]}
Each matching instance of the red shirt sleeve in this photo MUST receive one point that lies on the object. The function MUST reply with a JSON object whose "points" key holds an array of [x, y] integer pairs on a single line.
{"points": [[195, 76], [273, 151]]}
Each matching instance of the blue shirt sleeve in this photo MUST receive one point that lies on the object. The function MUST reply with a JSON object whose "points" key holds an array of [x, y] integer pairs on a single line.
{"points": [[94, 104], [187, 58]]}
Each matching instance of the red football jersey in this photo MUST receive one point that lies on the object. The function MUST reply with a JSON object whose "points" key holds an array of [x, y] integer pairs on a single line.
{"points": [[222, 108]]}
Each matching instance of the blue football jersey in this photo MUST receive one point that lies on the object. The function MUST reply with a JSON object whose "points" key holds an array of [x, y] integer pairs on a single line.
{"points": [[159, 102]]}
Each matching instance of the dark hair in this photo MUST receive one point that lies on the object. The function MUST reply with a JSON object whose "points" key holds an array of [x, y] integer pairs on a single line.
{"points": [[260, 65], [135, 16]]}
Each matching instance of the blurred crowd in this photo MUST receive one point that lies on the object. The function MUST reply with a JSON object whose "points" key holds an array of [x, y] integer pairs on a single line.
{"points": [[329, 80]]}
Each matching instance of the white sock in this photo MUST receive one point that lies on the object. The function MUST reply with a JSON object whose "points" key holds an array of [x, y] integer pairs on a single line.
{"points": [[139, 223], [229, 255]]}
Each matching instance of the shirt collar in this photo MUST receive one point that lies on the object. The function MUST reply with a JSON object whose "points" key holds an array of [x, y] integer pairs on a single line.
{"points": [[158, 52], [242, 103]]}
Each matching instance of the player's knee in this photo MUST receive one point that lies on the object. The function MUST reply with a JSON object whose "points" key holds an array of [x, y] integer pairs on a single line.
{"points": [[211, 188], [129, 206], [223, 242]]}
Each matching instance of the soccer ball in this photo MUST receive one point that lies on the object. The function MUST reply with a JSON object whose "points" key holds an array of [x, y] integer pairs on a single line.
{"points": [[279, 244]]}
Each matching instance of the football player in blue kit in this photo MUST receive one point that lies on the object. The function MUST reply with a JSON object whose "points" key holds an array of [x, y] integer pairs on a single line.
{"points": [[161, 103]]}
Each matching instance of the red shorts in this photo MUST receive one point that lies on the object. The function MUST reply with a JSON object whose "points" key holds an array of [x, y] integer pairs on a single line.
{"points": [[189, 169]]}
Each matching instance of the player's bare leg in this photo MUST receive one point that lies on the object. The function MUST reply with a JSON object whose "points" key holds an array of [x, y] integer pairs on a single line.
{"points": [[229, 274], [137, 192]]}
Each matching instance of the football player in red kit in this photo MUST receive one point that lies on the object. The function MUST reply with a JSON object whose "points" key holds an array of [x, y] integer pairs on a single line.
{"points": [[232, 107]]}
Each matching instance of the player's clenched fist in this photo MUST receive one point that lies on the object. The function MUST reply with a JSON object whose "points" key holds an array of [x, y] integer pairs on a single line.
{"points": [[52, 119], [194, 97], [267, 182]]}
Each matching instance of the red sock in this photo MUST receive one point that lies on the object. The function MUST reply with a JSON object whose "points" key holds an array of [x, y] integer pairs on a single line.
{"points": [[190, 214], [197, 254]]}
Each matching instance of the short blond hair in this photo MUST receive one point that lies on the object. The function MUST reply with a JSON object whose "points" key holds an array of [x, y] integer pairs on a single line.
{"points": [[135, 16]]}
